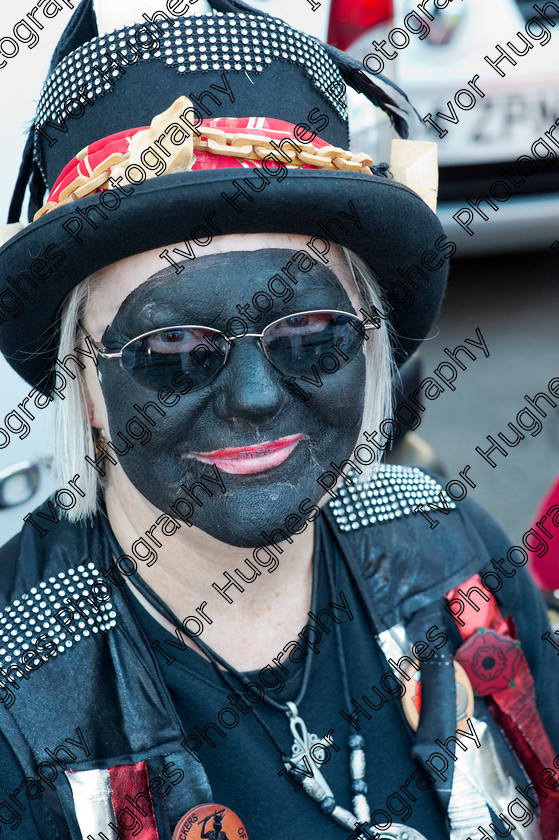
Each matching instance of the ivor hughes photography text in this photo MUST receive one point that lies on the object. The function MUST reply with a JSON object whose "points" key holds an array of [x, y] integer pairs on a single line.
{"points": [[279, 438]]}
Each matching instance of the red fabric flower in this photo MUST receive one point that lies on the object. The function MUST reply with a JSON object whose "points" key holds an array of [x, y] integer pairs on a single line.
{"points": [[490, 660]]}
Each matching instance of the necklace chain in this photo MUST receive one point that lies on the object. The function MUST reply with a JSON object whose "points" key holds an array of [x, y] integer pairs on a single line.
{"points": [[308, 752]]}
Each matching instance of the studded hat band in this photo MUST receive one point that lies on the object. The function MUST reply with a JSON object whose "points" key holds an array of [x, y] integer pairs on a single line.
{"points": [[168, 145]]}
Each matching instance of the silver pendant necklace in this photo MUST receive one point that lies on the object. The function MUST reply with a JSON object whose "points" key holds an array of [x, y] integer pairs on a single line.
{"points": [[308, 753]]}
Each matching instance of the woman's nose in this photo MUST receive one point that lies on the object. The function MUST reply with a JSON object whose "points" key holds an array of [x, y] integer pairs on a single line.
{"points": [[249, 388]]}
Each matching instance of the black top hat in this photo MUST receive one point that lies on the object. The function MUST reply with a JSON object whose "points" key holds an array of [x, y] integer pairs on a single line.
{"points": [[245, 75]]}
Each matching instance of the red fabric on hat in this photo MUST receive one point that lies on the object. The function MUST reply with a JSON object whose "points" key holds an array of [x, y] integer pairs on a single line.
{"points": [[100, 150], [97, 152]]}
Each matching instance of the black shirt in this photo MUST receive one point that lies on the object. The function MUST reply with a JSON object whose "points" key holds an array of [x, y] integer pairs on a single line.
{"points": [[243, 765], [241, 761]]}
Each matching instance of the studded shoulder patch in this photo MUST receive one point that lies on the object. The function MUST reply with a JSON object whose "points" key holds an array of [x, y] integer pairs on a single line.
{"points": [[394, 492], [53, 616]]}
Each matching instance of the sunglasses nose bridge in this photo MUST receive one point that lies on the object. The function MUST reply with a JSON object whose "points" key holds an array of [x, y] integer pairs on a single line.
{"points": [[257, 339], [261, 343]]}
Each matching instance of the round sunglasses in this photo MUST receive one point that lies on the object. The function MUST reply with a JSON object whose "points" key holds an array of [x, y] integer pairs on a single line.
{"points": [[292, 344]]}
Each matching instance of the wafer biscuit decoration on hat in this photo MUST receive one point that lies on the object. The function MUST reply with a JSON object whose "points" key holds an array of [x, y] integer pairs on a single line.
{"points": [[414, 163], [104, 164], [7, 231]]}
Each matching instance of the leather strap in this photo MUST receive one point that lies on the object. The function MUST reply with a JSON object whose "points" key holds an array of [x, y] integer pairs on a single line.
{"points": [[494, 660]]}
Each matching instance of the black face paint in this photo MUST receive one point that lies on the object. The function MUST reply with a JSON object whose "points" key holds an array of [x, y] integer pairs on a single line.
{"points": [[249, 402]]}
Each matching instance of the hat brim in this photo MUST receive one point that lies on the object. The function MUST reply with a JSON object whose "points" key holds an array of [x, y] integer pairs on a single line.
{"points": [[387, 224]]}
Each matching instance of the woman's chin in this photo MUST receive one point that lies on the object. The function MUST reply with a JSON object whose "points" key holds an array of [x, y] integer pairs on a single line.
{"points": [[254, 516]]}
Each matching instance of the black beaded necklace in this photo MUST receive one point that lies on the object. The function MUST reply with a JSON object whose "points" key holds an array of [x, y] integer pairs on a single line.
{"points": [[308, 752]]}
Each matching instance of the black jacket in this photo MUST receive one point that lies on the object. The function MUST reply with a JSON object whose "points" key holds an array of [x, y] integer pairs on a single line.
{"points": [[91, 668]]}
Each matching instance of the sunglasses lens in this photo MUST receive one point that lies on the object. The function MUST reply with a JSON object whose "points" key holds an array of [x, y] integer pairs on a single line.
{"points": [[296, 343], [154, 360]]}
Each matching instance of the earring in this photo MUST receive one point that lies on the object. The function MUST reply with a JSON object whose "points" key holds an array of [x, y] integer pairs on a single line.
{"points": [[99, 442]]}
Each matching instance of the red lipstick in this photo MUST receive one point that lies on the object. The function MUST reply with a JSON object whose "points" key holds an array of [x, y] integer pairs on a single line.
{"points": [[244, 460]]}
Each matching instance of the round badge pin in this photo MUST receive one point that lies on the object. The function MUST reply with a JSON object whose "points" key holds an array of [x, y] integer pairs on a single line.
{"points": [[210, 822], [411, 700]]}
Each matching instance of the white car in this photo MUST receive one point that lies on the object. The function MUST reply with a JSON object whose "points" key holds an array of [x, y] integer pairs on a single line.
{"points": [[436, 51], [492, 110]]}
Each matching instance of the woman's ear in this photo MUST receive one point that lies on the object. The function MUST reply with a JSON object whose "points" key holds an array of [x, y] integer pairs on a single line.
{"points": [[94, 400]]}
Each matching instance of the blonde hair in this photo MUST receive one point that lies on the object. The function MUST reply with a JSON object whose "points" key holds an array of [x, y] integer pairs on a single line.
{"points": [[73, 431]]}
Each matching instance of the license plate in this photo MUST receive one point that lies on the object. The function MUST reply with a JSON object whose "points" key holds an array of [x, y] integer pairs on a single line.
{"points": [[498, 128]]}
